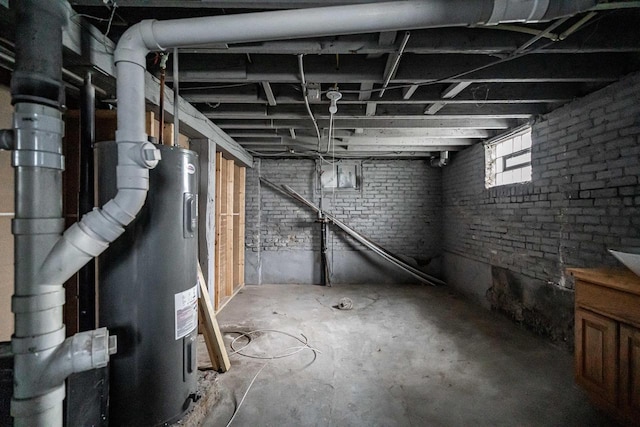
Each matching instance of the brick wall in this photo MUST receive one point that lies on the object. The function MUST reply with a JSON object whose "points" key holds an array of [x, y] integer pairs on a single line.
{"points": [[584, 198], [283, 222], [398, 207]]}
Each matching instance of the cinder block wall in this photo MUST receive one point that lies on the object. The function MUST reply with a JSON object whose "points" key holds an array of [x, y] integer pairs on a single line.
{"points": [[399, 207], [509, 247]]}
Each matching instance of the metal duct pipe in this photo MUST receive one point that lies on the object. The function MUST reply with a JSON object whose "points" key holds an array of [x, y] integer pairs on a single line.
{"points": [[176, 98], [442, 161], [86, 201], [42, 357], [37, 76]]}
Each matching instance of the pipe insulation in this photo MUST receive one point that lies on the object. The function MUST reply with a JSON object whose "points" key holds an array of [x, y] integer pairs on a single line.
{"points": [[86, 197]]}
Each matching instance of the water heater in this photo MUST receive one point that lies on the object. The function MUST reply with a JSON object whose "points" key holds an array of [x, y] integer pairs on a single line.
{"points": [[148, 293]]}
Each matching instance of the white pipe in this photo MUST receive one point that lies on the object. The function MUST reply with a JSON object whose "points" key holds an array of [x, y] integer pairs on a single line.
{"points": [[50, 367], [305, 95]]}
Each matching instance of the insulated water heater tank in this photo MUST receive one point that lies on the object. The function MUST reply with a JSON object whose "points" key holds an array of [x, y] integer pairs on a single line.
{"points": [[148, 293]]}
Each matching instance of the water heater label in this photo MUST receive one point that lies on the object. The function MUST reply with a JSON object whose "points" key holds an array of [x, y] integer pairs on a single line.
{"points": [[191, 168], [186, 311]]}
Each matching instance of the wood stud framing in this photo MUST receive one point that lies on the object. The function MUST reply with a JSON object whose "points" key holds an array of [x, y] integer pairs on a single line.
{"points": [[230, 220]]}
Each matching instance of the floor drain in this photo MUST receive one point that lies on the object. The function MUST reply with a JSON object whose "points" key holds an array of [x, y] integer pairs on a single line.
{"points": [[345, 304]]}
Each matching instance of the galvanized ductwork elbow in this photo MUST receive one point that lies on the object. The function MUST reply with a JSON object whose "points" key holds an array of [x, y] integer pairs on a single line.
{"points": [[441, 161]]}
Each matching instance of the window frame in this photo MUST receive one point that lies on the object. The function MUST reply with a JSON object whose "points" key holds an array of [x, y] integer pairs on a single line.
{"points": [[496, 165]]}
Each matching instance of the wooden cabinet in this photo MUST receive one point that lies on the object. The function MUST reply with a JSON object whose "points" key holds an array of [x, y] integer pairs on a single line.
{"points": [[630, 371], [607, 352]]}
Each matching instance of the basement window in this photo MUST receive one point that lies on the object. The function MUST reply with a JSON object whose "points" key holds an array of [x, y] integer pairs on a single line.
{"points": [[340, 175], [508, 159]]}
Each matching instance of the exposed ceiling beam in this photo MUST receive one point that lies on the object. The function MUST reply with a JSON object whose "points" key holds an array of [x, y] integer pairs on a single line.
{"points": [[450, 92], [434, 108], [365, 91], [617, 5], [398, 143], [386, 111], [271, 99], [393, 100], [372, 133], [391, 148], [406, 141], [371, 109], [422, 122], [408, 91], [341, 147], [468, 41], [357, 69], [453, 90], [477, 94], [426, 132], [339, 152], [285, 100], [387, 38]]}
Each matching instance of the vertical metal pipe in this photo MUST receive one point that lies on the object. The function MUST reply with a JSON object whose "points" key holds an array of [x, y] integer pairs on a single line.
{"points": [[324, 262], [86, 201], [163, 77], [38, 73], [176, 98]]}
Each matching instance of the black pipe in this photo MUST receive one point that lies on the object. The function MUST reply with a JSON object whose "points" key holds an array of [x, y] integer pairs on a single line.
{"points": [[325, 278], [37, 77], [86, 199]]}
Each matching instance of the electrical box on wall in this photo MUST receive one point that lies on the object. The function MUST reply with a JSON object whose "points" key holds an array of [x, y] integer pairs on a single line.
{"points": [[340, 175], [313, 92]]}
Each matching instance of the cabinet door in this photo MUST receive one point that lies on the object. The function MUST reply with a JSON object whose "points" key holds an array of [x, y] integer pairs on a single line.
{"points": [[597, 355], [630, 371]]}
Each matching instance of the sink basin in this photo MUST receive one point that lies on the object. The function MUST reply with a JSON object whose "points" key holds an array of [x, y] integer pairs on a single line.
{"points": [[630, 257]]}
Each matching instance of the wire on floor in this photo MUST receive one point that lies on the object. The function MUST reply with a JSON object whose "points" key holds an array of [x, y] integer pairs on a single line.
{"points": [[269, 358], [248, 335], [245, 394]]}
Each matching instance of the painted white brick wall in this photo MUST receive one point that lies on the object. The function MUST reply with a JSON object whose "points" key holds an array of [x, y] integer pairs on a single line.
{"points": [[584, 196]]}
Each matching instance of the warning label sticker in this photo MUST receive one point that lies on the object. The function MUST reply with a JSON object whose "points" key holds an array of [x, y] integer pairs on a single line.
{"points": [[186, 303]]}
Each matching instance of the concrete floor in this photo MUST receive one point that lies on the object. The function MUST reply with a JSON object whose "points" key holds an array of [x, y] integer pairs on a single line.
{"points": [[405, 355]]}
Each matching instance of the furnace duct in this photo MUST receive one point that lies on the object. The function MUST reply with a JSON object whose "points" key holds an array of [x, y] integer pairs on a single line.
{"points": [[44, 257]]}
